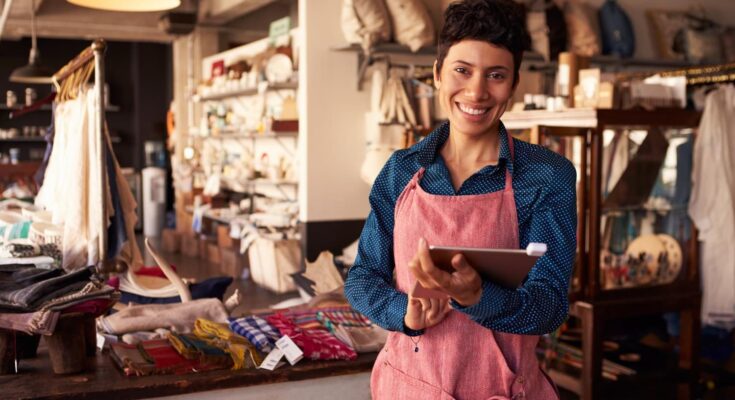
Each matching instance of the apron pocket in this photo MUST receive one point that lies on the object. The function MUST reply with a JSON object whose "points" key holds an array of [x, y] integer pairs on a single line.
{"points": [[391, 383]]}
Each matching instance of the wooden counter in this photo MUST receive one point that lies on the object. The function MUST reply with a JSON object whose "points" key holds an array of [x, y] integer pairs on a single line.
{"points": [[104, 380]]}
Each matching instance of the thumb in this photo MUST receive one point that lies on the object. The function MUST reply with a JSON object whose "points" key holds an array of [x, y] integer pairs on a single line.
{"points": [[460, 264]]}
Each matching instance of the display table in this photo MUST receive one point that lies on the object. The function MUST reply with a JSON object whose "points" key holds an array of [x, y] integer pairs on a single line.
{"points": [[104, 380]]}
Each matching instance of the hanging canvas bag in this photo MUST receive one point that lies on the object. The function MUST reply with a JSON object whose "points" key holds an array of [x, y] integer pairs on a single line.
{"points": [[272, 261], [412, 24], [365, 22], [616, 30]]}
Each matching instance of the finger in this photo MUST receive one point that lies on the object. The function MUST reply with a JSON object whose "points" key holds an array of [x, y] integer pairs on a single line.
{"points": [[424, 279], [434, 310], [461, 265], [441, 278]]}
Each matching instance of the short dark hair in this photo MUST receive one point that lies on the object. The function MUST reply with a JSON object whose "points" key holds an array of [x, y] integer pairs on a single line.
{"points": [[500, 22]]}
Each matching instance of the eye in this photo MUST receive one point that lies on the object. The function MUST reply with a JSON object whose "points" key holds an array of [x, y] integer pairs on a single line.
{"points": [[461, 70], [496, 76]]}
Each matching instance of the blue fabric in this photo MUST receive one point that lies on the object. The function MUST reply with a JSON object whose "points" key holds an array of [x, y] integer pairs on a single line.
{"points": [[210, 288], [545, 194], [116, 233], [258, 331]]}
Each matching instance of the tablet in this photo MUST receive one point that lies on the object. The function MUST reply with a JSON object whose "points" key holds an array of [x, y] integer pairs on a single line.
{"points": [[505, 267]]}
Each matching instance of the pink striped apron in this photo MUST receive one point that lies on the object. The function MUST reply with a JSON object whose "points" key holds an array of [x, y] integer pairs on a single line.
{"points": [[458, 358]]}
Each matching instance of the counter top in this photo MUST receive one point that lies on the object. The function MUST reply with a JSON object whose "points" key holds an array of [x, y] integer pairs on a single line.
{"points": [[104, 380]]}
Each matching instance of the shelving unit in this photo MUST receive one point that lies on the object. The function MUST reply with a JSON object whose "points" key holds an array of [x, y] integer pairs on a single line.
{"points": [[385, 50], [246, 92], [47, 107], [589, 301]]}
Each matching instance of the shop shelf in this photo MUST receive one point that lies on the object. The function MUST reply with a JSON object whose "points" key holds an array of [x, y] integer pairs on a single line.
{"points": [[47, 107], [246, 92]]}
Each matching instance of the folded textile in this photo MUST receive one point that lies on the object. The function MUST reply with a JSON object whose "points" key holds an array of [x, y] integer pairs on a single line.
{"points": [[257, 331], [363, 339], [19, 230], [192, 347], [179, 317], [243, 353], [211, 288], [152, 357], [317, 344], [331, 318], [29, 297], [94, 307], [153, 271], [353, 329], [38, 322], [90, 292], [131, 285], [40, 261]]}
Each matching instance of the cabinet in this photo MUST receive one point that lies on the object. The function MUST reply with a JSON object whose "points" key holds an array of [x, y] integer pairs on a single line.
{"points": [[597, 296]]}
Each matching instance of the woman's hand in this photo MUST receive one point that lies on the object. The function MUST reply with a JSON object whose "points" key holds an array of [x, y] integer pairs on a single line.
{"points": [[425, 313], [464, 285]]}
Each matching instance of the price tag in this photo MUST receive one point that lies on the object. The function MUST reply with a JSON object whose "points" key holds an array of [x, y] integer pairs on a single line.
{"points": [[292, 352], [271, 361]]}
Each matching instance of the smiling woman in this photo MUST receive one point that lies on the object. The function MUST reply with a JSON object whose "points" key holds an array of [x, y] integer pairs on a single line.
{"points": [[467, 184]]}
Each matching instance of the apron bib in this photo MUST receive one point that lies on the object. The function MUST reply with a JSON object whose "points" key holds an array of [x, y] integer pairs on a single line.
{"points": [[458, 358]]}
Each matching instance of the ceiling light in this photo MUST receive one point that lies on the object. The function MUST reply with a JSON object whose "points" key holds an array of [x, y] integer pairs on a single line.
{"points": [[34, 72], [128, 5]]}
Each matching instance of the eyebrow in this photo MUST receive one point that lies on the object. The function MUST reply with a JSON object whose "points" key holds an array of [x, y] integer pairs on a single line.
{"points": [[503, 67]]}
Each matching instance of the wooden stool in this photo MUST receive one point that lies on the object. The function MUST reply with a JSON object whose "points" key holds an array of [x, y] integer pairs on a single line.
{"points": [[66, 346], [7, 352]]}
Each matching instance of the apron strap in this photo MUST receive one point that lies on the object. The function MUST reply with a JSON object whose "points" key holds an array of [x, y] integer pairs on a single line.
{"points": [[508, 178]]}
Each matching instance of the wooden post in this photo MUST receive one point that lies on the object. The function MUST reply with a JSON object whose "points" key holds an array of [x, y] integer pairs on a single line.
{"points": [[66, 345]]}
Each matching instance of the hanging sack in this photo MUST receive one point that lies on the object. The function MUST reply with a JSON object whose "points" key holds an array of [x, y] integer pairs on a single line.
{"points": [[548, 29], [365, 22], [699, 41], [411, 22], [728, 45], [584, 39], [616, 30], [272, 261]]}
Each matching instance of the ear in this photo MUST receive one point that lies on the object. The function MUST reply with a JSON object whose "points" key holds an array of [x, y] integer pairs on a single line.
{"points": [[437, 77]]}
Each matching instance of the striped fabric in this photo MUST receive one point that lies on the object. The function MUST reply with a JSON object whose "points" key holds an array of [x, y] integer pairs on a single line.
{"points": [[351, 318], [261, 334], [317, 344]]}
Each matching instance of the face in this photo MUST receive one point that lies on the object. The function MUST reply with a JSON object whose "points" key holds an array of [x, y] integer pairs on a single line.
{"points": [[475, 85]]}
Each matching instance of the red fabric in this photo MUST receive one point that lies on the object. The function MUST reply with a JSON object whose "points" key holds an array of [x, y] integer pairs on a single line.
{"points": [[114, 281], [153, 271], [96, 307], [167, 359], [457, 358], [317, 344]]}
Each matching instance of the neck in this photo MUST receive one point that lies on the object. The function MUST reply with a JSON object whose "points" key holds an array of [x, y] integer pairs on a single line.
{"points": [[472, 150]]}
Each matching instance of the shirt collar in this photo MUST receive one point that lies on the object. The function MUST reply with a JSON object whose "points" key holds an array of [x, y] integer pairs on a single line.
{"points": [[428, 148]]}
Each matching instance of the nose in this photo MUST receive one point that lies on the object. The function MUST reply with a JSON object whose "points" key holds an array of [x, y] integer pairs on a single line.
{"points": [[477, 88]]}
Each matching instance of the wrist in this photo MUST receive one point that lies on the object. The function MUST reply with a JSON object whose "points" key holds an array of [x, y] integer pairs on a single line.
{"points": [[471, 299]]}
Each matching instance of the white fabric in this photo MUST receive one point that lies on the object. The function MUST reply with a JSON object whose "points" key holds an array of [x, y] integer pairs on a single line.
{"points": [[712, 206], [72, 172], [72, 189]]}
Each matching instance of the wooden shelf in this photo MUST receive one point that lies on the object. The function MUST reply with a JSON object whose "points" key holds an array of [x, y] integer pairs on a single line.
{"points": [[47, 107], [592, 118], [235, 134], [246, 92]]}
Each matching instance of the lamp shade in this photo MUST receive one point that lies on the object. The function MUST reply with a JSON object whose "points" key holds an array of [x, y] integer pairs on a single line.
{"points": [[33, 72], [128, 5]]}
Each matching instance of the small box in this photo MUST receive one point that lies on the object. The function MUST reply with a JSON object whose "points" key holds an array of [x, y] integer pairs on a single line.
{"points": [[190, 245], [170, 241], [233, 263]]}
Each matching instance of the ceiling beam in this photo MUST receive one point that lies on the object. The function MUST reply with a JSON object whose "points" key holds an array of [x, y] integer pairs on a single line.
{"points": [[66, 29], [223, 11]]}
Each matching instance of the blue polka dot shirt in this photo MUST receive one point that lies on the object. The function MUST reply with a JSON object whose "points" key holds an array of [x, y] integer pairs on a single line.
{"points": [[544, 187]]}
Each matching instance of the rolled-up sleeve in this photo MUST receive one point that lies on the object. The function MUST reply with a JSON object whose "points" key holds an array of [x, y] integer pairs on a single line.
{"points": [[369, 286]]}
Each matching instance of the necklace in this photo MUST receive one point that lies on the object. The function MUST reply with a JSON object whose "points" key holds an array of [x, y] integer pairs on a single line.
{"points": [[416, 343]]}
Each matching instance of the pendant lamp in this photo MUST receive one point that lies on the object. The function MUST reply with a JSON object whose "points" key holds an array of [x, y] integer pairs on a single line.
{"points": [[128, 5], [34, 72]]}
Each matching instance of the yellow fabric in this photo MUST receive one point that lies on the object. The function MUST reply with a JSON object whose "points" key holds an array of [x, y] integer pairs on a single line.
{"points": [[243, 353]]}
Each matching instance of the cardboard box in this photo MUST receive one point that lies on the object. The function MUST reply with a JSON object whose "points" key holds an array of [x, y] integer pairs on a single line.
{"points": [[224, 240], [190, 245], [170, 241], [233, 263]]}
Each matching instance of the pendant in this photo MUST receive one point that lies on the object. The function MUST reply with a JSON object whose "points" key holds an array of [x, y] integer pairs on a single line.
{"points": [[416, 349]]}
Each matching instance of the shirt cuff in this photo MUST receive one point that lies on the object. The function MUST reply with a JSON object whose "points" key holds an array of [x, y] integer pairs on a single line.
{"points": [[486, 307]]}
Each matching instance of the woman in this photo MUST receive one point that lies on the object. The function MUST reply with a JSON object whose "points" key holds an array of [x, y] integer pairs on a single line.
{"points": [[467, 184]]}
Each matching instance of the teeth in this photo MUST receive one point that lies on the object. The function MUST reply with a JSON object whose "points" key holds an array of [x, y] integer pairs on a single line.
{"points": [[472, 111]]}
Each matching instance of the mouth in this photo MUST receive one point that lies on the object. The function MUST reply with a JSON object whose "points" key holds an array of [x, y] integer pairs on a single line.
{"points": [[472, 111]]}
